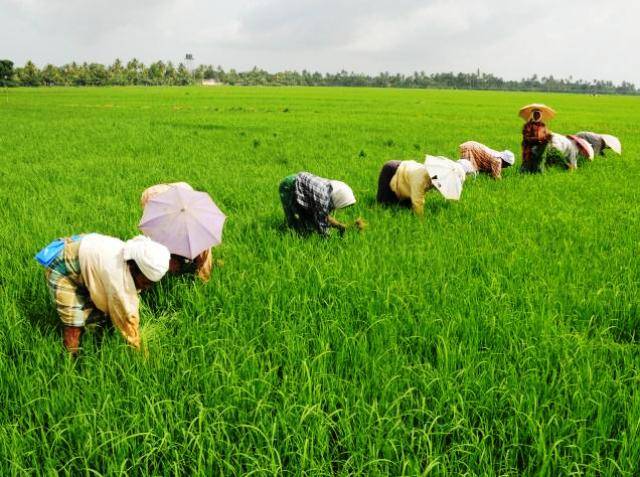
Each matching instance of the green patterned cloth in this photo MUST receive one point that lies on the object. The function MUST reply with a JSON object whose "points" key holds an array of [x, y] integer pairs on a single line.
{"points": [[306, 201], [67, 288]]}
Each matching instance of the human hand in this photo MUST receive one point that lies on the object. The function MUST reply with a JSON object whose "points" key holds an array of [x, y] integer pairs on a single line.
{"points": [[360, 224]]}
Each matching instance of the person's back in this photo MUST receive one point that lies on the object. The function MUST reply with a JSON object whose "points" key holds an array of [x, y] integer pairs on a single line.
{"points": [[157, 189], [482, 158], [92, 277], [562, 151], [308, 201], [105, 275], [566, 149], [410, 182], [596, 141]]}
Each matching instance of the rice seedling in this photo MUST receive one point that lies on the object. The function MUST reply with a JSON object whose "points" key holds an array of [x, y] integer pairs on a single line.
{"points": [[496, 336]]}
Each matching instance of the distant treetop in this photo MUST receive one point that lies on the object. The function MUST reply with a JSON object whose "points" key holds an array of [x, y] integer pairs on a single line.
{"points": [[160, 73]]}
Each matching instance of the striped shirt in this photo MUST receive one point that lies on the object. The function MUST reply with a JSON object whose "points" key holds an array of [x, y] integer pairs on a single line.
{"points": [[482, 158]]}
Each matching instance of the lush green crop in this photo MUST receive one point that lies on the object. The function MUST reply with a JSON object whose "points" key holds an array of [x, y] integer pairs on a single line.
{"points": [[497, 336]]}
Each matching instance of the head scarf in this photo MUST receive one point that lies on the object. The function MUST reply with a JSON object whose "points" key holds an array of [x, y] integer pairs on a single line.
{"points": [[151, 257], [507, 157], [341, 195], [467, 166]]}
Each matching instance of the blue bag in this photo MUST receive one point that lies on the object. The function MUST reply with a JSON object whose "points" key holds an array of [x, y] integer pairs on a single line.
{"points": [[48, 254]]}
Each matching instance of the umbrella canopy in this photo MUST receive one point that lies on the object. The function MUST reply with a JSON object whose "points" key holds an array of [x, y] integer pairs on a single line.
{"points": [[446, 175], [612, 142], [546, 112], [187, 222]]}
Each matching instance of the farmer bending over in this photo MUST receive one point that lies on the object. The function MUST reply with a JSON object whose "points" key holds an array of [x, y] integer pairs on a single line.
{"points": [[600, 142], [404, 182], [92, 277], [476, 157], [309, 200], [202, 264], [564, 150]]}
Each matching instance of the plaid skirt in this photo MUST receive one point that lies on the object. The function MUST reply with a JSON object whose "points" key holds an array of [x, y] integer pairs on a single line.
{"points": [[67, 288]]}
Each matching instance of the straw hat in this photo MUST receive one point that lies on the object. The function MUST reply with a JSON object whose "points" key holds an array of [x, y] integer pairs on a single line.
{"points": [[546, 113]]}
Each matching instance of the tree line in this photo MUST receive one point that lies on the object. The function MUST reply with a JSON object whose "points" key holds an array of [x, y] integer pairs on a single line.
{"points": [[159, 73]]}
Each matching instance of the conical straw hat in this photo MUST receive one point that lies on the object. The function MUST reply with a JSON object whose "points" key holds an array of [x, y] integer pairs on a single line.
{"points": [[546, 112]]}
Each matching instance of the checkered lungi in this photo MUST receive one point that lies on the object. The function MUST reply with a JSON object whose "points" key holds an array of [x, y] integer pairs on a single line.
{"points": [[67, 288]]}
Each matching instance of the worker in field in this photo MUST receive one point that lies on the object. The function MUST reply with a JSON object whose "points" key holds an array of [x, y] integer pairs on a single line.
{"points": [[476, 157], [404, 183], [601, 142], [94, 277], [535, 136], [407, 182], [202, 264], [565, 150], [308, 202]]}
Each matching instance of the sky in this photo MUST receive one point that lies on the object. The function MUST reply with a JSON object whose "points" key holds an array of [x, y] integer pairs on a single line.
{"points": [[584, 39]]}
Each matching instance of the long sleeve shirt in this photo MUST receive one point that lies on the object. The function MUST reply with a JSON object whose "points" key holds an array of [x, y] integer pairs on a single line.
{"points": [[482, 158], [107, 277], [411, 182]]}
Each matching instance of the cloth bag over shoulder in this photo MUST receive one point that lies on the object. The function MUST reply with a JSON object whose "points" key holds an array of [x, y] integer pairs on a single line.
{"points": [[49, 253]]}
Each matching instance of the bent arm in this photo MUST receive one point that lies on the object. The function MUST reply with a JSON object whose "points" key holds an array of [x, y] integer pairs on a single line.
{"points": [[417, 204], [125, 317], [336, 224], [496, 169], [542, 134], [419, 187]]}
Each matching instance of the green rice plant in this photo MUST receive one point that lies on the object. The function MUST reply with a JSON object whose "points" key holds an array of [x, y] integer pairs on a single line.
{"points": [[495, 336]]}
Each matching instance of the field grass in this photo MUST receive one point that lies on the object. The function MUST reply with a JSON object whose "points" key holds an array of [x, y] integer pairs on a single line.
{"points": [[498, 336]]}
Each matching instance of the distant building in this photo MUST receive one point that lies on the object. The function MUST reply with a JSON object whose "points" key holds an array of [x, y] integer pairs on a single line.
{"points": [[210, 82]]}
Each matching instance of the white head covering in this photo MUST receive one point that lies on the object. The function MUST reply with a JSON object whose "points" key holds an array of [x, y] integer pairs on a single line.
{"points": [[151, 257], [467, 166], [341, 195], [508, 157]]}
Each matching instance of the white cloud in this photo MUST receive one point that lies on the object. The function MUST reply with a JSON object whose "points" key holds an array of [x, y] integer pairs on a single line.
{"points": [[417, 28], [582, 38]]}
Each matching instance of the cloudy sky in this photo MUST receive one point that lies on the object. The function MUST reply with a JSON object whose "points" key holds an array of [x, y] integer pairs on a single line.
{"points": [[512, 38]]}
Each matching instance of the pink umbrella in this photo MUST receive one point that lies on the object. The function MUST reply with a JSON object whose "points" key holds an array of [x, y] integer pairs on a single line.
{"points": [[187, 222]]}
